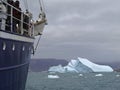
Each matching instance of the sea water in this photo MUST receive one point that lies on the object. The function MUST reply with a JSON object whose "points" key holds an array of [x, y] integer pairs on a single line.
{"points": [[72, 81]]}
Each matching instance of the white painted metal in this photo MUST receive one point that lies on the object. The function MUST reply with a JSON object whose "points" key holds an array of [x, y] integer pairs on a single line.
{"points": [[15, 37]]}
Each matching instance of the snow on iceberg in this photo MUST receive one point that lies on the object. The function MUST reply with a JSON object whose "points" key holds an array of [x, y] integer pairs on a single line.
{"points": [[81, 65]]}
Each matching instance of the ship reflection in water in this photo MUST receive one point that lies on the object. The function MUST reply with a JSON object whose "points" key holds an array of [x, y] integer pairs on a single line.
{"points": [[70, 81]]}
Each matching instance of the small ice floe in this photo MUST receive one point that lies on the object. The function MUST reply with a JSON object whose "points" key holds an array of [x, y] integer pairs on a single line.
{"points": [[117, 75], [80, 75], [98, 75], [53, 76]]}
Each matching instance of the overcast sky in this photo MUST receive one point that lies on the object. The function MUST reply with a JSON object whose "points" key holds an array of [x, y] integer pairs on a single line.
{"points": [[84, 28]]}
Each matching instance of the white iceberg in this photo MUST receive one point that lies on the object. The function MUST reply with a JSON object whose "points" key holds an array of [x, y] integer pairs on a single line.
{"points": [[58, 68], [95, 67], [117, 75], [99, 75], [53, 76], [81, 65], [80, 75]]}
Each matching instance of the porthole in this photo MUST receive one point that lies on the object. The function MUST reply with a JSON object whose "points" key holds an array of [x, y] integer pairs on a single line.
{"points": [[4, 46], [13, 47], [29, 48], [32, 49], [23, 48]]}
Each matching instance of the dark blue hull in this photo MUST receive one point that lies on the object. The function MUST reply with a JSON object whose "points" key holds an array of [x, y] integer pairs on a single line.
{"points": [[14, 63]]}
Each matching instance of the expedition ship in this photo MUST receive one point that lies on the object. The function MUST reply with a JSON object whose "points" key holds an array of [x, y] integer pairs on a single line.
{"points": [[17, 34]]}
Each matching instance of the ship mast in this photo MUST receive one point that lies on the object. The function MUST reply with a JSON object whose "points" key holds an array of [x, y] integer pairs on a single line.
{"points": [[39, 24]]}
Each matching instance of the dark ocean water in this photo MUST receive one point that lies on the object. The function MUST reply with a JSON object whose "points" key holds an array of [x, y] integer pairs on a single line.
{"points": [[69, 81]]}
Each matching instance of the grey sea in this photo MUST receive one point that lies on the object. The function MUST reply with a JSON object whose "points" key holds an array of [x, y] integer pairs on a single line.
{"points": [[70, 81]]}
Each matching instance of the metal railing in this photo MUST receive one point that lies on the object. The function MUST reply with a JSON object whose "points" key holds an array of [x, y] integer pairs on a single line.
{"points": [[23, 27]]}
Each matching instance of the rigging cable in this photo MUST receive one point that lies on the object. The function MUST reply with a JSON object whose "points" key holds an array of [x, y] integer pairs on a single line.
{"points": [[41, 8], [37, 44], [43, 5]]}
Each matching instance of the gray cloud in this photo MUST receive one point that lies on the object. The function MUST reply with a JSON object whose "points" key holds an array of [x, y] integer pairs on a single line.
{"points": [[85, 28]]}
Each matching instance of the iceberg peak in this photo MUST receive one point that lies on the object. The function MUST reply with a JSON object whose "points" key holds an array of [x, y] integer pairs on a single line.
{"points": [[95, 67]]}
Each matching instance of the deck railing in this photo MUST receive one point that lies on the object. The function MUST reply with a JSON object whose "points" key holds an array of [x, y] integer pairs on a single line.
{"points": [[16, 25]]}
